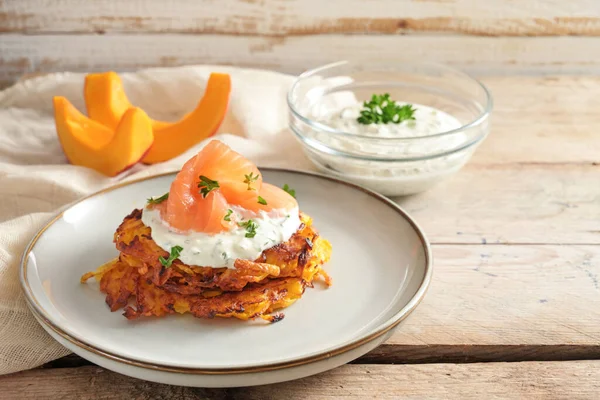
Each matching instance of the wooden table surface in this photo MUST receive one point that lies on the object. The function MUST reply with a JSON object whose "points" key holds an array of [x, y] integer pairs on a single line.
{"points": [[513, 310]]}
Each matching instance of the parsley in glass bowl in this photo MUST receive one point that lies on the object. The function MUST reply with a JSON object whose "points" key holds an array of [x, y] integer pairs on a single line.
{"points": [[395, 129]]}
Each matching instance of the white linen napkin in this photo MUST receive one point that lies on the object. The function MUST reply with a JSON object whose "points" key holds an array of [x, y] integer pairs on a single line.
{"points": [[36, 179]]}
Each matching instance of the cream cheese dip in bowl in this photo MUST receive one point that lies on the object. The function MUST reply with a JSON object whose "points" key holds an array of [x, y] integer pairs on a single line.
{"points": [[395, 129]]}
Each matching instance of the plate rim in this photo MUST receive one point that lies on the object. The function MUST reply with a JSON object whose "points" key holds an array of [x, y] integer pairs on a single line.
{"points": [[373, 334]]}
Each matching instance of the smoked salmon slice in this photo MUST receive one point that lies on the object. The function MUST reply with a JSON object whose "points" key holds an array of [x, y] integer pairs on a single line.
{"points": [[210, 183], [271, 198], [235, 174], [187, 209]]}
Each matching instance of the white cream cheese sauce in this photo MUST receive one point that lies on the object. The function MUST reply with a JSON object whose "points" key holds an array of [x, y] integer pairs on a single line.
{"points": [[427, 121], [222, 249]]}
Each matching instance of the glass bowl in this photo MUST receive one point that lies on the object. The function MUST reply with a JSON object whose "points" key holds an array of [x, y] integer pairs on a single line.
{"points": [[390, 165]]}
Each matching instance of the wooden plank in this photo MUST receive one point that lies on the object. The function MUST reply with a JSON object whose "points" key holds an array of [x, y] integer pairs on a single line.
{"points": [[506, 296], [21, 54], [296, 17], [503, 204], [501, 303], [519, 203], [529, 380], [559, 127], [390, 353], [542, 119]]}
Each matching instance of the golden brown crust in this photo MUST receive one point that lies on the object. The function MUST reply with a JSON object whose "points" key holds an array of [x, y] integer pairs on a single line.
{"points": [[122, 284]]}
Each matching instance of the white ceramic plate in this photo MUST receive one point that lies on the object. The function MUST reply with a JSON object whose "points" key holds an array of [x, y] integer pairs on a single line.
{"points": [[380, 265]]}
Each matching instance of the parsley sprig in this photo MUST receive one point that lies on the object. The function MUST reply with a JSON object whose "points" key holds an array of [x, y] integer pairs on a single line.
{"points": [[262, 201], [175, 252], [382, 110], [158, 200], [207, 185], [289, 190], [250, 228], [227, 216], [250, 178]]}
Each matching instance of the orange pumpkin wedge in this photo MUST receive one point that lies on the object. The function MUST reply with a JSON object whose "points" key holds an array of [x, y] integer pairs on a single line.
{"points": [[106, 102], [90, 144], [105, 99]]}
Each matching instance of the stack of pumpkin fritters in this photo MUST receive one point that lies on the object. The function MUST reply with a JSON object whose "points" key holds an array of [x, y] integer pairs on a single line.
{"points": [[139, 283]]}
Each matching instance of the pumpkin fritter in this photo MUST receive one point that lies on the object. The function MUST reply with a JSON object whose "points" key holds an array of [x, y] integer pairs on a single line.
{"points": [[121, 283], [288, 259], [139, 283]]}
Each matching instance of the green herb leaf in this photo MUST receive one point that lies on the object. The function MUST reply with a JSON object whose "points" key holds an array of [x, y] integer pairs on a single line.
{"points": [[382, 110], [158, 200], [227, 216], [289, 190], [250, 228], [262, 201], [249, 179], [175, 252], [207, 185]]}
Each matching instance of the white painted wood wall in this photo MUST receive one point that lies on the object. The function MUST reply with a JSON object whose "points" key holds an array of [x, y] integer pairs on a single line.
{"points": [[482, 36]]}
